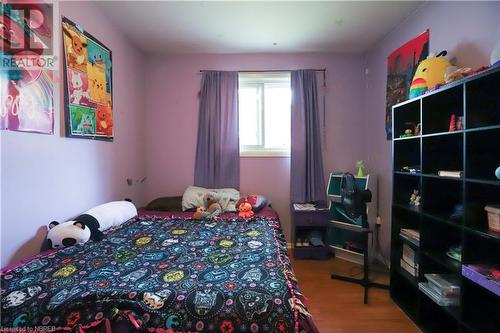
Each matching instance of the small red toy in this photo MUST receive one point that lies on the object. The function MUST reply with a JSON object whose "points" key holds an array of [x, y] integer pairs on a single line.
{"points": [[245, 210], [452, 124]]}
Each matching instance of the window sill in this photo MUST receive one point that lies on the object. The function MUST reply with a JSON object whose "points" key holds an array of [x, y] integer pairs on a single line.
{"points": [[265, 153]]}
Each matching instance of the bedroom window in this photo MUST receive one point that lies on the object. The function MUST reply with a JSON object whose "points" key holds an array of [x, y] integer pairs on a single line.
{"points": [[264, 114]]}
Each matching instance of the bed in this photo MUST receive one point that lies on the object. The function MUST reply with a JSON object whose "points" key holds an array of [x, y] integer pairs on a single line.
{"points": [[163, 272]]}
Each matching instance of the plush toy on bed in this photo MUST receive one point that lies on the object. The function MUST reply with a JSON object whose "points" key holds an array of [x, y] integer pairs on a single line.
{"points": [[211, 208], [90, 224], [199, 212], [245, 210]]}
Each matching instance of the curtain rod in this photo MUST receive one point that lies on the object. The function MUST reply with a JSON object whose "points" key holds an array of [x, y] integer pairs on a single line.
{"points": [[267, 71]]}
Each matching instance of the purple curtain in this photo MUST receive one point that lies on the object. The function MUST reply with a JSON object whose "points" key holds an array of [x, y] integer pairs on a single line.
{"points": [[217, 162], [307, 183]]}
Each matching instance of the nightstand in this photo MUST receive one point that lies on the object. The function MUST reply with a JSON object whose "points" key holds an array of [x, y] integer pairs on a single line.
{"points": [[307, 224]]}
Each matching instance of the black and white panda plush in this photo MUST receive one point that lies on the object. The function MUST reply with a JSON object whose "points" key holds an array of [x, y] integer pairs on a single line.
{"points": [[67, 234], [90, 224]]}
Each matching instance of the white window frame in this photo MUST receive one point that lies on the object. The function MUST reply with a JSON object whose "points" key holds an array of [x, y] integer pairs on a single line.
{"points": [[260, 79]]}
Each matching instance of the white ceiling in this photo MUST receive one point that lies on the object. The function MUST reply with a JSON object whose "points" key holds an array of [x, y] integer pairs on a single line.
{"points": [[162, 27]]}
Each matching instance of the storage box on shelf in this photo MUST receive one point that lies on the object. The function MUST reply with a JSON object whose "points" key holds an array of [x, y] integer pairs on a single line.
{"points": [[452, 220]]}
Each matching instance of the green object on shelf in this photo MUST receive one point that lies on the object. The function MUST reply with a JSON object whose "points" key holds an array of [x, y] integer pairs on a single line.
{"points": [[361, 167], [455, 253]]}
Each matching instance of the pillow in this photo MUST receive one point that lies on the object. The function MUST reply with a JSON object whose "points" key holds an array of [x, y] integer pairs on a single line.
{"points": [[228, 198], [193, 198], [165, 204], [257, 201]]}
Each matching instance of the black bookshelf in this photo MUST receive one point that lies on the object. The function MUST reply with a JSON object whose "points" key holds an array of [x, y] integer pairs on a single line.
{"points": [[473, 149]]}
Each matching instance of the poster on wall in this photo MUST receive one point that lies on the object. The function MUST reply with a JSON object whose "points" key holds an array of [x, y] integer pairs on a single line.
{"points": [[88, 93], [26, 68], [401, 64]]}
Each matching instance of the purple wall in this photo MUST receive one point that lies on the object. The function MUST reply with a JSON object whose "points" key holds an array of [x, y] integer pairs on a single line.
{"points": [[172, 86], [51, 177], [467, 30], [47, 178]]}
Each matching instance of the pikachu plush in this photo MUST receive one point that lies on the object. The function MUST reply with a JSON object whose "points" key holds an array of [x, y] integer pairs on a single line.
{"points": [[430, 72]]}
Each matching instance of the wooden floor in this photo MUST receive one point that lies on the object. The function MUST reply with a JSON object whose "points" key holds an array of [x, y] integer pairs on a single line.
{"points": [[337, 307]]}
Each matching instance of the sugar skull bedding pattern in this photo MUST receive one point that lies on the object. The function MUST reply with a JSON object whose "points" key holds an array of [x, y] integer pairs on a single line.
{"points": [[162, 274]]}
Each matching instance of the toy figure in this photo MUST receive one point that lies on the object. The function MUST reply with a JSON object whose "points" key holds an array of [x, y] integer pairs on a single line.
{"points": [[361, 167], [452, 124], [460, 122], [418, 129], [245, 210], [211, 208], [415, 199], [409, 127], [199, 212]]}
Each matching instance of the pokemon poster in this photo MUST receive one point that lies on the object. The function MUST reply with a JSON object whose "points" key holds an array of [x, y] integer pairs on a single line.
{"points": [[88, 91], [26, 68], [401, 64]]}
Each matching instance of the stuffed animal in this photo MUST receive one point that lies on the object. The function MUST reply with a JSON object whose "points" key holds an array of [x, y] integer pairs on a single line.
{"points": [[67, 234], [90, 224], [212, 206], [199, 212], [430, 72], [245, 210]]}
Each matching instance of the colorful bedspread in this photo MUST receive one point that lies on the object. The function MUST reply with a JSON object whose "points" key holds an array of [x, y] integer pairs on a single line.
{"points": [[162, 274]]}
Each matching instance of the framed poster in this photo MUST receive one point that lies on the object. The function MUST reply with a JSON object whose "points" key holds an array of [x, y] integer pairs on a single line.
{"points": [[88, 88], [401, 65], [26, 68]]}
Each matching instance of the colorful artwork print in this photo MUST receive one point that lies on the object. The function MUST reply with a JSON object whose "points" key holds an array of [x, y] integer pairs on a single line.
{"points": [[401, 65], [78, 88], [26, 90], [83, 120], [88, 82], [163, 274]]}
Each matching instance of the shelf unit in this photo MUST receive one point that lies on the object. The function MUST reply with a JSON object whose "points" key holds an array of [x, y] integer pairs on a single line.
{"points": [[452, 209]]}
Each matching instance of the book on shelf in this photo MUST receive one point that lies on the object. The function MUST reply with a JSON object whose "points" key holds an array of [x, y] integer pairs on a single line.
{"points": [[410, 256], [436, 297], [446, 285], [450, 173], [407, 267], [443, 289], [304, 206], [411, 240], [412, 233]]}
